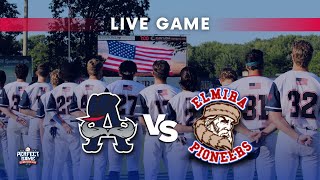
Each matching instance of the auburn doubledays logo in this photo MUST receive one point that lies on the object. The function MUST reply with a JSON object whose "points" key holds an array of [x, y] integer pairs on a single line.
{"points": [[103, 121]]}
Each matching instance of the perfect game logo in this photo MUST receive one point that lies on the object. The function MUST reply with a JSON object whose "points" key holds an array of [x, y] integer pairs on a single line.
{"points": [[28, 156], [214, 129]]}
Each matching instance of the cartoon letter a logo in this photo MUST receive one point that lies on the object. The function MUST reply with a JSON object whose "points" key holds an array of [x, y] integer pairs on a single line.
{"points": [[103, 121]]}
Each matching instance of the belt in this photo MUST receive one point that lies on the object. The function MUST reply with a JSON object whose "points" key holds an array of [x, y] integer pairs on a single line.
{"points": [[305, 128]]}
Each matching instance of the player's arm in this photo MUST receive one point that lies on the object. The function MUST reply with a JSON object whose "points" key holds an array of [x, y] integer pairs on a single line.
{"points": [[253, 136], [52, 112], [10, 114], [4, 107], [171, 115], [275, 115], [74, 109], [269, 129], [41, 114], [140, 109], [24, 105]]}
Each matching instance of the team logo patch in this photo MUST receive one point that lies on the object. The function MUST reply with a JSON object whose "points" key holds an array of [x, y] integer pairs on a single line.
{"points": [[103, 121], [28, 156], [214, 129]]}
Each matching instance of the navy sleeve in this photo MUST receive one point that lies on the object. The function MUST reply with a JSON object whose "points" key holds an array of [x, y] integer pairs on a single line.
{"points": [[141, 107], [51, 106], [273, 101], [4, 101], [40, 110], [171, 113], [25, 101], [74, 104]]}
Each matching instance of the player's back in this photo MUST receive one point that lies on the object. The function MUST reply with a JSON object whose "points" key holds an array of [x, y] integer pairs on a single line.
{"points": [[14, 93], [256, 88], [85, 89], [44, 99], [32, 94], [154, 99], [299, 92], [3, 117], [60, 100], [128, 92], [181, 110]]}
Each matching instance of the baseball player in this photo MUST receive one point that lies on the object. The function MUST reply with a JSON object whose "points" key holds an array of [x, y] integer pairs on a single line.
{"points": [[29, 105], [128, 91], [50, 132], [17, 122], [153, 100], [293, 105], [256, 88], [227, 76], [78, 108], [67, 139], [179, 109], [3, 128]]}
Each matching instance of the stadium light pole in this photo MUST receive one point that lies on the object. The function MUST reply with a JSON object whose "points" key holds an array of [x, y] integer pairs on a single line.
{"points": [[69, 35], [25, 33]]}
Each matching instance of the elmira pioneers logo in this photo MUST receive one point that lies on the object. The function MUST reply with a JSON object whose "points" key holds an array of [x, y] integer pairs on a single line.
{"points": [[214, 129], [103, 121]]}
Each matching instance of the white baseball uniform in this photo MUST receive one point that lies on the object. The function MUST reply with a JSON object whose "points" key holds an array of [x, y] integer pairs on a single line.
{"points": [[153, 100], [182, 111], [254, 117], [128, 92], [220, 172], [10, 98], [58, 103], [79, 102], [296, 95], [48, 145], [30, 100], [3, 136]]}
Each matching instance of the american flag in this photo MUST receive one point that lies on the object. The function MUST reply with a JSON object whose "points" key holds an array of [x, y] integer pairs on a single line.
{"points": [[43, 90], [254, 85], [127, 87], [89, 87], [20, 88], [143, 56], [66, 89], [302, 81], [163, 92]]}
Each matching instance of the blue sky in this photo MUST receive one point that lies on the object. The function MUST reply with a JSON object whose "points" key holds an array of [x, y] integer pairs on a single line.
{"points": [[213, 9]]}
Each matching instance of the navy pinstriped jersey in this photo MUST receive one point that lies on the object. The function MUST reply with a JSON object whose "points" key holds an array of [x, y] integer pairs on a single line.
{"points": [[296, 94], [31, 95], [82, 93], [128, 92]]}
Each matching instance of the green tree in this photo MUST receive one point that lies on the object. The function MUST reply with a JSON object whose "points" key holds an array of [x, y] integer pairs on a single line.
{"points": [[8, 44], [38, 49], [314, 65]]}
